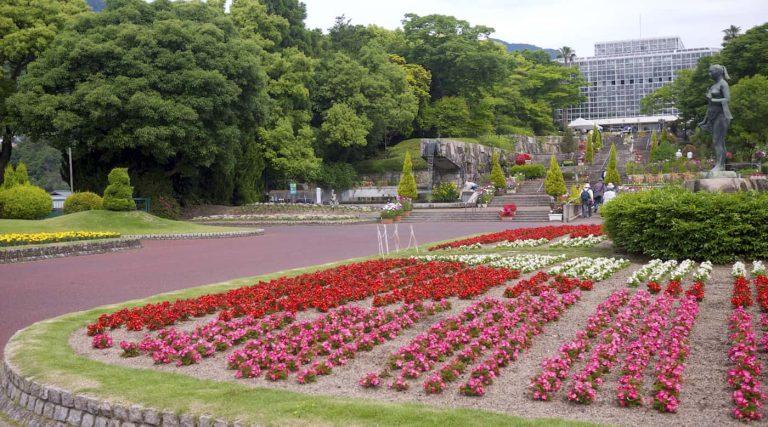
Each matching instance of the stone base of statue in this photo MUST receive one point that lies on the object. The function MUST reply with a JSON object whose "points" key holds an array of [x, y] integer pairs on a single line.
{"points": [[725, 182]]}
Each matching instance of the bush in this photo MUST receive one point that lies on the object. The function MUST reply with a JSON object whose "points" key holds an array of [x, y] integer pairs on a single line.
{"points": [[407, 187], [530, 171], [166, 207], [82, 201], [25, 202], [445, 192], [118, 196], [672, 223], [569, 163], [497, 176], [554, 184]]}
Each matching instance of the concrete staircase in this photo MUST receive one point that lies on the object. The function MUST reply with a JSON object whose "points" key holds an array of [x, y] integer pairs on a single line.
{"points": [[475, 215]]}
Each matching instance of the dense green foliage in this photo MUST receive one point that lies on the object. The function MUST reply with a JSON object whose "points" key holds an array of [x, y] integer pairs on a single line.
{"points": [[25, 202], [407, 187], [166, 207], [530, 171], [568, 143], [611, 170], [674, 223], [445, 192], [82, 201], [554, 184], [497, 175], [221, 105], [118, 196], [589, 156], [26, 30], [44, 164]]}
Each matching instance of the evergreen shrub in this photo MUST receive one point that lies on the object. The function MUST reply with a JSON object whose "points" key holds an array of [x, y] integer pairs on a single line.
{"points": [[82, 201], [25, 202], [672, 223], [445, 192], [118, 196], [530, 171]]}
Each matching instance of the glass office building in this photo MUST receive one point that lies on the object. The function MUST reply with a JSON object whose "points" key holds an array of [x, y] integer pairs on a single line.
{"points": [[622, 72]]}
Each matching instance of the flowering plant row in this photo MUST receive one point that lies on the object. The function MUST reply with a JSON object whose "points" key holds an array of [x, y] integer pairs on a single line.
{"points": [[703, 272], [336, 337], [555, 369], [548, 233], [654, 271], [739, 270], [758, 268], [744, 377], [465, 284], [322, 290], [17, 239], [681, 270], [606, 352], [590, 268], [672, 357], [639, 352], [579, 242], [523, 262], [528, 243], [538, 283]]}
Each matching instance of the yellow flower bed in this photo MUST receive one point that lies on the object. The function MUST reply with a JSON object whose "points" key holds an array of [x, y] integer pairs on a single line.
{"points": [[16, 239]]}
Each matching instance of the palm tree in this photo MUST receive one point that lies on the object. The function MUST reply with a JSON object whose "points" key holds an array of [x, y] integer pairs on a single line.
{"points": [[567, 54], [731, 33]]}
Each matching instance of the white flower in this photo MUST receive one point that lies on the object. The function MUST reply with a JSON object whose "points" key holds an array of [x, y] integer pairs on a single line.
{"points": [[590, 268], [758, 269], [702, 273], [529, 243], [578, 242], [739, 269]]}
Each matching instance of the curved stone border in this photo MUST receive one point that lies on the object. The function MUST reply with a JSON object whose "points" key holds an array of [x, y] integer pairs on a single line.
{"points": [[307, 222], [190, 236], [31, 403], [22, 254]]}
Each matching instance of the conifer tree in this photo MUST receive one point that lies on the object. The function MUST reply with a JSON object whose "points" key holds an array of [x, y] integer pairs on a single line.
{"points": [[118, 196], [497, 176], [407, 187], [22, 176], [554, 183], [598, 143], [590, 155], [612, 171]]}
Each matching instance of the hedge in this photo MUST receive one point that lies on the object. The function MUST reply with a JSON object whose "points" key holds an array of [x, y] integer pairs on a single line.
{"points": [[672, 223], [25, 202], [85, 201], [530, 171]]}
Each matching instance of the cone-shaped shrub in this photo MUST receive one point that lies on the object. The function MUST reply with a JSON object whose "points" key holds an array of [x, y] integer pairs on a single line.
{"points": [[497, 176], [554, 183], [407, 187], [612, 171], [118, 196], [590, 155]]}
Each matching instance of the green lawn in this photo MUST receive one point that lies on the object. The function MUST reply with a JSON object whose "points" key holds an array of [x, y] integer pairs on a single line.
{"points": [[42, 351], [135, 222]]}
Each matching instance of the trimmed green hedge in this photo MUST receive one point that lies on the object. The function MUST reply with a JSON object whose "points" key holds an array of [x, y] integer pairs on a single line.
{"points": [[673, 223], [25, 202], [530, 171], [85, 201]]}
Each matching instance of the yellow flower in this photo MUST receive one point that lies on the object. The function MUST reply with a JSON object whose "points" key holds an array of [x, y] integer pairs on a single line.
{"points": [[15, 239]]}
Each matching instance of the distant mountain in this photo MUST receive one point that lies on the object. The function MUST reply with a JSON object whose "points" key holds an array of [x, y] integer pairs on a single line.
{"points": [[96, 5], [511, 47]]}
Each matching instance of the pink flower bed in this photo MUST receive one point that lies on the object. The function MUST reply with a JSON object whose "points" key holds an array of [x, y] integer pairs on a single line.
{"points": [[744, 377]]}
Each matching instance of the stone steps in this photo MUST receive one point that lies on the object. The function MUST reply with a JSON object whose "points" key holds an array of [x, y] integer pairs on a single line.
{"points": [[468, 215]]}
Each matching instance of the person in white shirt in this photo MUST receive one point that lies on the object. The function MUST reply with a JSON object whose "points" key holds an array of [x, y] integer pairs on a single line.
{"points": [[610, 193]]}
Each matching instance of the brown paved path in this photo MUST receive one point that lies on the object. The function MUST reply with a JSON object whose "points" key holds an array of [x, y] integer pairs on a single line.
{"points": [[38, 290]]}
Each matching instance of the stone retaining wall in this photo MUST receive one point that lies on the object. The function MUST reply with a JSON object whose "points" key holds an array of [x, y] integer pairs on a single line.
{"points": [[22, 254], [189, 236], [31, 403]]}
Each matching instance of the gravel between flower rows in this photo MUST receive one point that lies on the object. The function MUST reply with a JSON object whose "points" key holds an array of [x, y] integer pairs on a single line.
{"points": [[705, 395]]}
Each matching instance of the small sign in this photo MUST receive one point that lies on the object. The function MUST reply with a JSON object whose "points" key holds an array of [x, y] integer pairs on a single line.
{"points": [[292, 187]]}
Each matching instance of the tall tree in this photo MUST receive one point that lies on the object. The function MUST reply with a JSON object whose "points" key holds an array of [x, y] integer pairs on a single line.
{"points": [[167, 87], [730, 33], [554, 183], [749, 104], [26, 30], [407, 187], [747, 54], [612, 171], [567, 54]]}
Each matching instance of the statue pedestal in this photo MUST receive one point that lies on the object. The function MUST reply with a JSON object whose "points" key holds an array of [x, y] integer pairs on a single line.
{"points": [[718, 174], [722, 184]]}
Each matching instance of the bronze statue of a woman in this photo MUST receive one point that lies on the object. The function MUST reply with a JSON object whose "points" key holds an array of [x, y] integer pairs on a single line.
{"points": [[718, 116]]}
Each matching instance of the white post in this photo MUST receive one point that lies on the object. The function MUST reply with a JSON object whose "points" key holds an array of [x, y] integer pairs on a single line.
{"points": [[71, 178], [319, 195]]}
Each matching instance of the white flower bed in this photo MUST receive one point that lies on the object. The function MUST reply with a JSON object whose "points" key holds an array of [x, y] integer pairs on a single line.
{"points": [[578, 242], [470, 247], [590, 268], [654, 271], [681, 270], [758, 269], [529, 243], [703, 272], [522, 262], [739, 269]]}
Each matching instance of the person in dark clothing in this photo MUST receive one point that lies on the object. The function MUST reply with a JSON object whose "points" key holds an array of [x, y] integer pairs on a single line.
{"points": [[598, 189]]}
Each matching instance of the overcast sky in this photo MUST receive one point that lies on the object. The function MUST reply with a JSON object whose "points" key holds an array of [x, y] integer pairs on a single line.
{"points": [[557, 23]]}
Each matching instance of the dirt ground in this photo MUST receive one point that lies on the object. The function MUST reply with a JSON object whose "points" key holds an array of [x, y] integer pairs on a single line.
{"points": [[705, 395]]}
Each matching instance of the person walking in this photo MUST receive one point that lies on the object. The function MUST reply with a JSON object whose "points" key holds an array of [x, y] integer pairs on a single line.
{"points": [[587, 199], [610, 193], [598, 191]]}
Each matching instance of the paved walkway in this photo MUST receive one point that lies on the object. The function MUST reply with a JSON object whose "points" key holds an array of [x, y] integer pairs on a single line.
{"points": [[38, 290]]}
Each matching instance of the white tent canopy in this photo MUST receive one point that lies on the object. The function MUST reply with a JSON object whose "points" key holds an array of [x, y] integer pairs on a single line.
{"points": [[583, 124]]}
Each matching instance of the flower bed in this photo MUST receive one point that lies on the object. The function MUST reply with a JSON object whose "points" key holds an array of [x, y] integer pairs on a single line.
{"points": [[528, 243], [744, 377], [578, 242], [18, 239], [523, 262], [548, 233], [590, 268]]}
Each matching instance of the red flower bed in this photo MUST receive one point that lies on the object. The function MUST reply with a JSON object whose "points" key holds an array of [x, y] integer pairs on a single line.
{"points": [[761, 282], [537, 283], [742, 294], [322, 290], [548, 233]]}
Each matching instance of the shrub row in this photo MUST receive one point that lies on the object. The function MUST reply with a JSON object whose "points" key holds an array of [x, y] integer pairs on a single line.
{"points": [[672, 223], [530, 171]]}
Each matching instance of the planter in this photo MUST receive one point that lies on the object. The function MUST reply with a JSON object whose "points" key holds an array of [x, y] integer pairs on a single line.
{"points": [[406, 213], [387, 220], [398, 218], [556, 217]]}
